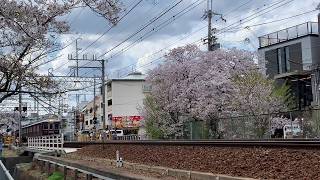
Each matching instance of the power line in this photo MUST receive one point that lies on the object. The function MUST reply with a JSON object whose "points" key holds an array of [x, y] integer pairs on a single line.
{"points": [[154, 19], [141, 29], [128, 12], [279, 2], [246, 3], [278, 20], [157, 28], [233, 10], [255, 15]]}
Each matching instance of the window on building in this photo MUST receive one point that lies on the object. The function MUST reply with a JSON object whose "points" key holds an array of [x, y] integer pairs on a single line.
{"points": [[91, 110], [279, 61], [90, 121], [109, 87], [146, 88], [50, 126], [283, 60], [287, 55], [56, 125], [110, 102], [45, 126], [87, 122]]}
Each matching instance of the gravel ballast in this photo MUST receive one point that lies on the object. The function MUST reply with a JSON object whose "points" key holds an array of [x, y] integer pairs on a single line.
{"points": [[265, 163]]}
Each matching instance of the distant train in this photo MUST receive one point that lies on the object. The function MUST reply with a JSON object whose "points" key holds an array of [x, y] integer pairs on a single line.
{"points": [[41, 128]]}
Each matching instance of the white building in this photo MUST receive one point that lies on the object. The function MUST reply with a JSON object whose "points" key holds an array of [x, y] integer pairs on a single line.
{"points": [[124, 98]]}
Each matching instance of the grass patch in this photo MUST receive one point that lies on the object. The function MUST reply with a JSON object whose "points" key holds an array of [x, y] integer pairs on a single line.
{"points": [[56, 176]]}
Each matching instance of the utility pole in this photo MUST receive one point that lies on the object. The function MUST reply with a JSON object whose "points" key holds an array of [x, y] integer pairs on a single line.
{"points": [[20, 116], [77, 57], [103, 97], [76, 74], [94, 103], [211, 39], [209, 15]]}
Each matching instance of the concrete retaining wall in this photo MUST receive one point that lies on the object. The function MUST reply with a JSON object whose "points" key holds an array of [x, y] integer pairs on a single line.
{"points": [[179, 174]]}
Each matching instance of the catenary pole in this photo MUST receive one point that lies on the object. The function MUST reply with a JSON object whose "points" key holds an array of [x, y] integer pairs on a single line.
{"points": [[20, 117], [209, 14], [103, 96]]}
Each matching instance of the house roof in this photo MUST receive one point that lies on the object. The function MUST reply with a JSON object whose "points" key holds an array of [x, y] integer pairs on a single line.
{"points": [[135, 76], [42, 121]]}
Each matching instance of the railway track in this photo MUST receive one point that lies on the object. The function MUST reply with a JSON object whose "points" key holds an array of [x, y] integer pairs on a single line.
{"points": [[269, 143]]}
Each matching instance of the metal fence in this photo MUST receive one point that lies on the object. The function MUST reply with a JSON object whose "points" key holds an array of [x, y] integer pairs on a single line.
{"points": [[299, 124], [129, 137], [289, 33], [46, 143], [4, 173]]}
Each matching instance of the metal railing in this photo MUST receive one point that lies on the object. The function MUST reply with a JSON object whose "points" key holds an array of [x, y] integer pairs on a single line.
{"points": [[289, 33], [4, 173], [50, 164], [46, 143], [128, 137], [132, 137]]}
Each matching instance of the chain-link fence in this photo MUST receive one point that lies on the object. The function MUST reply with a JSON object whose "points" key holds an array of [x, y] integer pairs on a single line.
{"points": [[291, 124]]}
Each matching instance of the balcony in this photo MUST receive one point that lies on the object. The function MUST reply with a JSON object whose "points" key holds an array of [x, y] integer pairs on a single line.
{"points": [[308, 28]]}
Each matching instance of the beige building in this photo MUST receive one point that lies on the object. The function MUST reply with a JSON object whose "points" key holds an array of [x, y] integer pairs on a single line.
{"points": [[88, 112]]}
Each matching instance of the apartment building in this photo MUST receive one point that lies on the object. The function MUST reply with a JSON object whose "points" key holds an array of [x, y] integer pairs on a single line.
{"points": [[124, 98], [291, 55], [91, 110]]}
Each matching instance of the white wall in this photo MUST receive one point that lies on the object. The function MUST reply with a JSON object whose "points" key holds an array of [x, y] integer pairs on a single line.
{"points": [[127, 97]]}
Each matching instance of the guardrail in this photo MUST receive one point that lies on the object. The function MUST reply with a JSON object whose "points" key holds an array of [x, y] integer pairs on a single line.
{"points": [[46, 143], [4, 173]]}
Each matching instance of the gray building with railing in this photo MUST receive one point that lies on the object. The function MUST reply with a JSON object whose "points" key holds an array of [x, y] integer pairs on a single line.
{"points": [[290, 55]]}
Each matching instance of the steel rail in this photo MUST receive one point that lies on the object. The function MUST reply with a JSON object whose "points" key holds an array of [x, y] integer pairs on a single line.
{"points": [[293, 143]]}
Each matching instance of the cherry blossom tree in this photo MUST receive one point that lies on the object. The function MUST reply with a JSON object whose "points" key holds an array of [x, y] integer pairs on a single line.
{"points": [[29, 32], [258, 98], [205, 86]]}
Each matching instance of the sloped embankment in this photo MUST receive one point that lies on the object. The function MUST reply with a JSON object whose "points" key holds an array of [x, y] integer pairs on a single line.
{"points": [[266, 163]]}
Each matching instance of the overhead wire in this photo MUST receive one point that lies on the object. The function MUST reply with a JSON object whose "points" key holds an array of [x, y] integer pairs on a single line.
{"points": [[122, 17], [141, 29], [104, 33], [246, 3], [278, 20], [255, 15], [157, 28]]}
